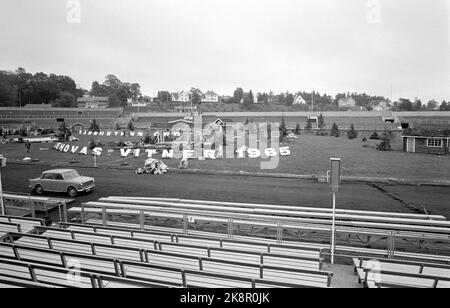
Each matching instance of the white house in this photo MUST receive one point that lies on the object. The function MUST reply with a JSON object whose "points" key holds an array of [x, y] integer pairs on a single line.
{"points": [[210, 97], [348, 102], [181, 97], [382, 107], [299, 100], [95, 102]]}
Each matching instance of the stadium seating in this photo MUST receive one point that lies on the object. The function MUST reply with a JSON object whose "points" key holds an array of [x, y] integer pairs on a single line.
{"points": [[370, 234], [46, 118], [43, 259]]}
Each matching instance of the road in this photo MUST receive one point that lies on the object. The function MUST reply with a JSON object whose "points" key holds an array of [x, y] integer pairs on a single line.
{"points": [[219, 188]]}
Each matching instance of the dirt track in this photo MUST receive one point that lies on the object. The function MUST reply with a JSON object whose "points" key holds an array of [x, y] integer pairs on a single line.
{"points": [[241, 189]]}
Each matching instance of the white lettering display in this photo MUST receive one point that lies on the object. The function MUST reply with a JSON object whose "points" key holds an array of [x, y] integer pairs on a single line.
{"points": [[125, 152], [83, 151], [167, 154], [209, 154], [97, 151], [188, 154], [242, 152], [151, 153]]}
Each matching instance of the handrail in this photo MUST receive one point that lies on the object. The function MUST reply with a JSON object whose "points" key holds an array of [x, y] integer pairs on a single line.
{"points": [[292, 222], [270, 206], [275, 213]]}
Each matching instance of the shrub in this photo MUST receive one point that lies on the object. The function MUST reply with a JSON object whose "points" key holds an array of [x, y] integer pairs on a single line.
{"points": [[352, 133], [375, 136], [92, 144], [335, 130], [321, 133], [130, 126], [94, 126], [308, 126], [386, 139], [147, 139]]}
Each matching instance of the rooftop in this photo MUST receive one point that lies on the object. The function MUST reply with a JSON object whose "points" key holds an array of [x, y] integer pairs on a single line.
{"points": [[425, 132]]}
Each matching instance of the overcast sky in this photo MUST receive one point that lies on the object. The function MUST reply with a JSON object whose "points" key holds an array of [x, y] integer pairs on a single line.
{"points": [[326, 45]]}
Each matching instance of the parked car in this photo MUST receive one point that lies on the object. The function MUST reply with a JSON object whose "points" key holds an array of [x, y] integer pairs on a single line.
{"points": [[62, 180]]}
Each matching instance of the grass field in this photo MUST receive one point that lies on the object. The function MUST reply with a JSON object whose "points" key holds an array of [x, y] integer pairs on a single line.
{"points": [[310, 155]]}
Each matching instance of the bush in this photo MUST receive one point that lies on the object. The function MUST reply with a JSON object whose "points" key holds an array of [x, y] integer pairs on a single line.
{"points": [[375, 136], [147, 139], [321, 133], [94, 126], [386, 139], [130, 126], [308, 126], [335, 130], [352, 133], [92, 144], [364, 139]]}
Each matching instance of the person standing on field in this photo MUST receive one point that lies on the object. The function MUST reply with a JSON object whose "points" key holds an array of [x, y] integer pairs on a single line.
{"points": [[28, 146]]}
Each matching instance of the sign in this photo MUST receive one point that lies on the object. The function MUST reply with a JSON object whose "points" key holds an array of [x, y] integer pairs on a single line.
{"points": [[335, 180], [243, 152]]}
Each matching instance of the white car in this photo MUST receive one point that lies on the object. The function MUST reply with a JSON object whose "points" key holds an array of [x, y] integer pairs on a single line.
{"points": [[62, 180]]}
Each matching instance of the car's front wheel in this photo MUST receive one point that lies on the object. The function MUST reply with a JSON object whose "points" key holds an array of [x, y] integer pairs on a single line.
{"points": [[39, 189], [71, 191]]}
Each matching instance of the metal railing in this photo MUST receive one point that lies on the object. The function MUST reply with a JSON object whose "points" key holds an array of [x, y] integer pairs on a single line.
{"points": [[392, 236]]}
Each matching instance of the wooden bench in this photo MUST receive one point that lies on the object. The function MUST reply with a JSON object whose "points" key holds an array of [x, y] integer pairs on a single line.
{"points": [[161, 257], [267, 255], [145, 271], [27, 224], [219, 248], [345, 250], [36, 274], [376, 273]]}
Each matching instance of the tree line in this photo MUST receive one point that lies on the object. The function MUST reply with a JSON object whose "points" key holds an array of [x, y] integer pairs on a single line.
{"points": [[20, 87]]}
